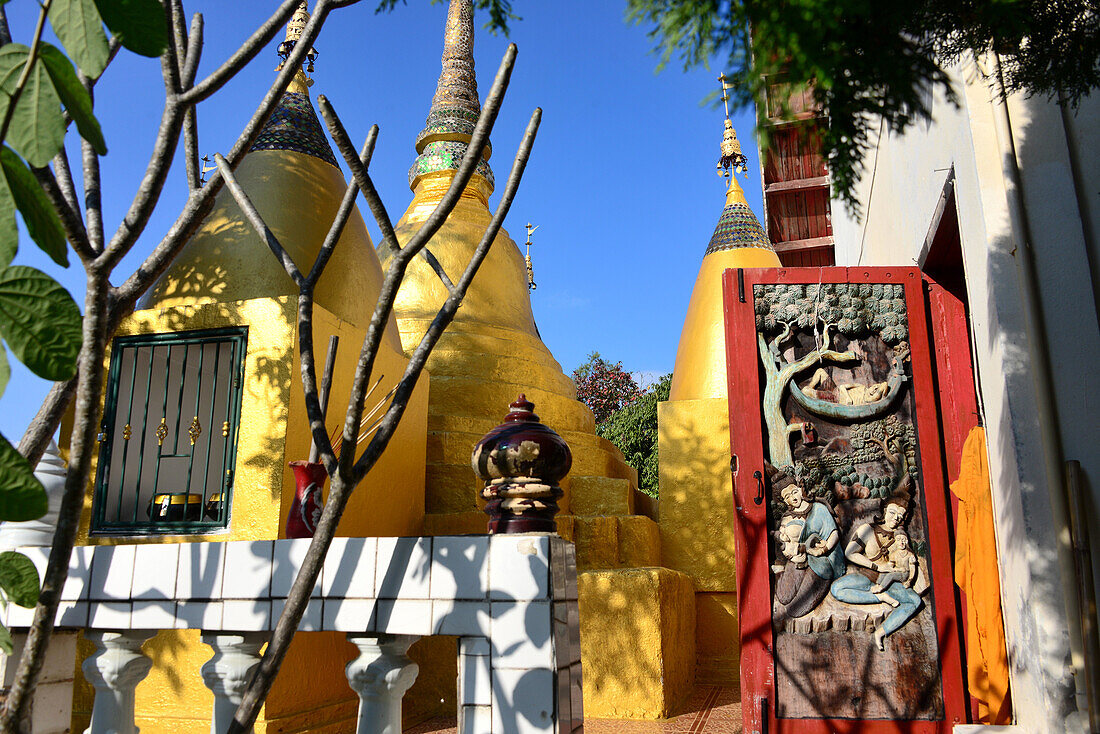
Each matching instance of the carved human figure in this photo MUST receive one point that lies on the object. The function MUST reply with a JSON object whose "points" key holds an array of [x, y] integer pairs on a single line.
{"points": [[803, 584], [905, 563], [869, 550]]}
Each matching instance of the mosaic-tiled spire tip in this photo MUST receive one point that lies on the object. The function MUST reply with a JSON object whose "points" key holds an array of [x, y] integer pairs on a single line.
{"points": [[293, 124], [455, 107]]}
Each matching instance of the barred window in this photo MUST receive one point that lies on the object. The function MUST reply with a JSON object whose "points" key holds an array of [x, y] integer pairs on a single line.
{"points": [[169, 434]]}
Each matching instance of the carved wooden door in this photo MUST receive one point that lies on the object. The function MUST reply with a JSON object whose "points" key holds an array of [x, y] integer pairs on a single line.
{"points": [[844, 575]]}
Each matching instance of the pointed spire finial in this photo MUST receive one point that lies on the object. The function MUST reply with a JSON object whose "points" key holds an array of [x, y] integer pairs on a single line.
{"points": [[732, 157], [294, 29], [455, 106]]}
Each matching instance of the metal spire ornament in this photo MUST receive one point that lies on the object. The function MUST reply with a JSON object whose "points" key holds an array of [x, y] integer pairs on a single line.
{"points": [[530, 269], [732, 157], [294, 30]]}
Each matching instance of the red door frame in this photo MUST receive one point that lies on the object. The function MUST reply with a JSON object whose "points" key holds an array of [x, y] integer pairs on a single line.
{"points": [[746, 440]]}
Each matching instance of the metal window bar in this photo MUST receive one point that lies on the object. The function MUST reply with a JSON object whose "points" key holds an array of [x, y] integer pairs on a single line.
{"points": [[170, 482]]}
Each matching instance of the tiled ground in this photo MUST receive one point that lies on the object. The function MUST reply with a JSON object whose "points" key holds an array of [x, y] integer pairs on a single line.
{"points": [[709, 710]]}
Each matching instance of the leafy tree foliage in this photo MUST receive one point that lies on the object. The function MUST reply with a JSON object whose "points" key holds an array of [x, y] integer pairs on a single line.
{"points": [[874, 63], [633, 429], [604, 387]]}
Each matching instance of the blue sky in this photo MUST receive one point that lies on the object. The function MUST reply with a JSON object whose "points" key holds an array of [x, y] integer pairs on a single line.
{"points": [[621, 181]]}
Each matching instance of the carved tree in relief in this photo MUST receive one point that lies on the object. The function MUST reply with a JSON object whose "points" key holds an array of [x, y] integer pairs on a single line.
{"points": [[851, 309]]}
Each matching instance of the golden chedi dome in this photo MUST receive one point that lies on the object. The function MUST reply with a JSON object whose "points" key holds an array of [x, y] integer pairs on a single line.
{"points": [[292, 177], [492, 351], [738, 242]]}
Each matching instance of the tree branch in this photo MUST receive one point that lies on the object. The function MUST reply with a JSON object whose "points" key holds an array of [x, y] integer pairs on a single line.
{"points": [[346, 476], [247, 51], [16, 712], [70, 220], [63, 174], [258, 222], [45, 422]]}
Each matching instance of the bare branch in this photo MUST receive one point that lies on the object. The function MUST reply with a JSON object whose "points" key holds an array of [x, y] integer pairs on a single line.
{"points": [[64, 176], [156, 172], [46, 420], [400, 262], [247, 51], [16, 712], [447, 312], [194, 52], [93, 206], [178, 37], [257, 221], [201, 201], [344, 479], [70, 220], [342, 214]]}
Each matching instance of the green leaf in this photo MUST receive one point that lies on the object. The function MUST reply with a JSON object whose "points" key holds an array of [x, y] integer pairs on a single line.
{"points": [[40, 322], [22, 497], [80, 30], [5, 370], [5, 636], [9, 231], [139, 24], [19, 579], [37, 128], [37, 211], [73, 95]]}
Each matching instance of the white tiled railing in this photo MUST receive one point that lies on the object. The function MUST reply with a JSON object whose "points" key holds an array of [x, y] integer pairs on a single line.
{"points": [[511, 600]]}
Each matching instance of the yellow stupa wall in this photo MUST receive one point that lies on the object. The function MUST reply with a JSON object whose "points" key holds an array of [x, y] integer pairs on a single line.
{"points": [[697, 512], [312, 686]]}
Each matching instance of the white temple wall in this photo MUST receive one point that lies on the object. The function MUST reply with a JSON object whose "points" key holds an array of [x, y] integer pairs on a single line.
{"points": [[900, 189]]}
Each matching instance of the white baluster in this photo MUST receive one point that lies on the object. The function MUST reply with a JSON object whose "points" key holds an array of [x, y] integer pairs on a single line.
{"points": [[115, 669], [228, 672], [381, 675]]}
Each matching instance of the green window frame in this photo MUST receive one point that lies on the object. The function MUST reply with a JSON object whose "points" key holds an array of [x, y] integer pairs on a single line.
{"points": [[168, 441]]}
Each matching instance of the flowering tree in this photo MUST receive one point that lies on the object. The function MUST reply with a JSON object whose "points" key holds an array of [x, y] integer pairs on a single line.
{"points": [[604, 387]]}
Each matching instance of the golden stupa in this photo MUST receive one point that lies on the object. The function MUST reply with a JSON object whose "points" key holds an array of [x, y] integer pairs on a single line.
{"points": [[227, 277], [697, 532], [636, 619]]}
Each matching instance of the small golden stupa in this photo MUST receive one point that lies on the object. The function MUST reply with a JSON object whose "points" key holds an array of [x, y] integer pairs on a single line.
{"points": [[738, 242], [697, 532]]}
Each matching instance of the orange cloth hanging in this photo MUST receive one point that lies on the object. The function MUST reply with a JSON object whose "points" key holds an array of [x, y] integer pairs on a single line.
{"points": [[976, 573]]}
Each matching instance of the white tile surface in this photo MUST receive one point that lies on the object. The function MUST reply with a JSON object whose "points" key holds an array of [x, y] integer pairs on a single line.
{"points": [[519, 567], [80, 572], [71, 614], [153, 614], [476, 720], [405, 616], [521, 635], [16, 616], [524, 701], [460, 617], [200, 571], [460, 567], [246, 615], [112, 572], [349, 615], [404, 568], [155, 569], [199, 615], [288, 558], [475, 685], [247, 570], [349, 568], [312, 618], [109, 615], [473, 646]]}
